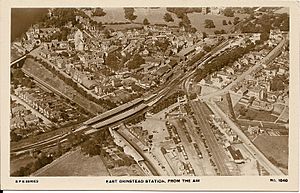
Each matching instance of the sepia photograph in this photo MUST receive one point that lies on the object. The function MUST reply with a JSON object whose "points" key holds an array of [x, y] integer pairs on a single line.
{"points": [[127, 92]]}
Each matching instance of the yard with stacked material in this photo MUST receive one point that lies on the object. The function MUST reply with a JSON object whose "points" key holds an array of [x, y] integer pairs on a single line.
{"points": [[275, 148], [75, 164], [40, 72]]}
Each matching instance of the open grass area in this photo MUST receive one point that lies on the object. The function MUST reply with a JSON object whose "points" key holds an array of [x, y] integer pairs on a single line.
{"points": [[133, 170], [155, 16], [274, 147], [198, 19], [253, 114], [75, 164]]}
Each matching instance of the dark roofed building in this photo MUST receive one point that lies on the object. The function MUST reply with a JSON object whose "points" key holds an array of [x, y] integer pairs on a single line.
{"points": [[236, 155], [162, 70]]}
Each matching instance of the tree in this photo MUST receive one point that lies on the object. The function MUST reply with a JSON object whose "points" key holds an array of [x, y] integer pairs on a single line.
{"points": [[168, 17], [222, 31], [224, 22], [14, 137], [209, 23], [229, 22], [136, 61], [236, 20], [163, 45], [206, 48], [185, 22], [193, 30], [228, 12], [146, 22], [129, 14], [277, 84], [112, 61], [204, 35], [98, 12], [90, 147], [243, 110]]}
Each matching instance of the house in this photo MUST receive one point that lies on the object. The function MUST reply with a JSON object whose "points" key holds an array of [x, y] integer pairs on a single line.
{"points": [[18, 110], [117, 83], [255, 92], [282, 70], [145, 52], [253, 130], [229, 70], [262, 105], [223, 75], [237, 65], [183, 54], [275, 34], [242, 91], [60, 63], [87, 82], [17, 122], [255, 37], [162, 70], [244, 61], [166, 77], [98, 90], [31, 119], [152, 60], [173, 63], [269, 71]]}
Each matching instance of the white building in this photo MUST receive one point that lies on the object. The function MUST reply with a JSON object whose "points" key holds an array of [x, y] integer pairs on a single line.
{"points": [[79, 42]]}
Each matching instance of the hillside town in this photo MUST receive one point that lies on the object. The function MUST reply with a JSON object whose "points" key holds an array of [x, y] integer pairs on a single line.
{"points": [[145, 96]]}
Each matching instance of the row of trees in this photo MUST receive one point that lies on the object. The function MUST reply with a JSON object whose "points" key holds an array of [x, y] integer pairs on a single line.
{"points": [[226, 59], [266, 22], [33, 166], [181, 13], [166, 102], [105, 103], [74, 139], [95, 144]]}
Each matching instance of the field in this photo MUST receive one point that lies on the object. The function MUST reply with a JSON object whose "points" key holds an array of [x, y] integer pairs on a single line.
{"points": [[197, 20], [75, 164], [133, 170], [155, 16], [19, 162], [275, 147], [253, 114]]}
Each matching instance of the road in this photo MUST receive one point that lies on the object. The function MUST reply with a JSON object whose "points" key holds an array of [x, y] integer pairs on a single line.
{"points": [[273, 170], [218, 153], [35, 112], [275, 52], [162, 92], [35, 53]]}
